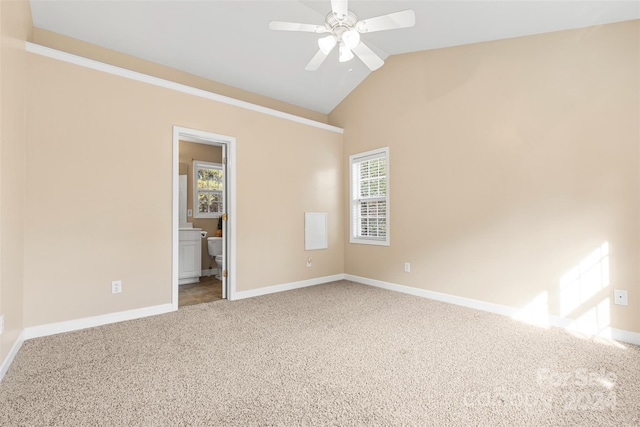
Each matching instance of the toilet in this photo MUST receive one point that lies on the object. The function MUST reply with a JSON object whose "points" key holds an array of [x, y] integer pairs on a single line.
{"points": [[214, 247]]}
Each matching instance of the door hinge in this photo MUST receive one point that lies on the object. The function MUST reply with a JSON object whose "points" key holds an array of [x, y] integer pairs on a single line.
{"points": [[224, 160], [224, 273], [224, 217]]}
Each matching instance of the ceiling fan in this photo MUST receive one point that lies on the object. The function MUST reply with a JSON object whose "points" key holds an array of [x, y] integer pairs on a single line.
{"points": [[345, 29]]}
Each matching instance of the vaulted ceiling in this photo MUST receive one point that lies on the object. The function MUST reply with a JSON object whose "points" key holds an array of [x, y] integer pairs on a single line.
{"points": [[230, 41]]}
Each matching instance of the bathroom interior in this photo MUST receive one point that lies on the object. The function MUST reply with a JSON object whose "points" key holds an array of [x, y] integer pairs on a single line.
{"points": [[200, 226]]}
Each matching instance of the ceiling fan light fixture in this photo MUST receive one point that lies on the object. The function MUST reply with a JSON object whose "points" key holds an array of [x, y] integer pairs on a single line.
{"points": [[345, 54], [351, 38], [345, 29], [327, 44]]}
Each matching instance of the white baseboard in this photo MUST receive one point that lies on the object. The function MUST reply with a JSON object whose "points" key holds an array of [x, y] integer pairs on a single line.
{"points": [[89, 322], [451, 299], [625, 336], [11, 355], [209, 272], [549, 320], [286, 287]]}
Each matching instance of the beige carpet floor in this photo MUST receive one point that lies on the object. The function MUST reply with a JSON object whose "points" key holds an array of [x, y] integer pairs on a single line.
{"points": [[333, 354]]}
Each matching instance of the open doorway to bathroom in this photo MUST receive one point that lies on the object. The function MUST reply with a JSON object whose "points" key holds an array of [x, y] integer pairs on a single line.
{"points": [[203, 217]]}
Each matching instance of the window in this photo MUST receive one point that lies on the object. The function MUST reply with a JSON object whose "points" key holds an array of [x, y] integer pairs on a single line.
{"points": [[208, 185], [370, 197]]}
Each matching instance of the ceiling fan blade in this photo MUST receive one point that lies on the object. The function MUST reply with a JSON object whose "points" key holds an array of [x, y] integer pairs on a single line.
{"points": [[316, 61], [340, 8], [293, 26], [404, 19], [367, 56]]}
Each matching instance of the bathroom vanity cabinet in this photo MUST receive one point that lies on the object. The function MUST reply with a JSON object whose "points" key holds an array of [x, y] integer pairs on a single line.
{"points": [[190, 256]]}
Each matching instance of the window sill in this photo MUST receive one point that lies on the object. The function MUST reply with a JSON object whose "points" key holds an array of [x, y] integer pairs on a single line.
{"points": [[369, 242]]}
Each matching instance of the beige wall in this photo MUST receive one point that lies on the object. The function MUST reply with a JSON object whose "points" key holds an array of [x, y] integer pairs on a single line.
{"points": [[99, 53], [511, 162], [15, 28], [99, 150], [190, 151]]}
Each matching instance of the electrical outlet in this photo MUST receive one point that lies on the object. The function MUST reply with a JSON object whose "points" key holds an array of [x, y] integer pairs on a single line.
{"points": [[407, 267], [189, 212], [308, 262], [1, 324], [116, 286], [620, 297]]}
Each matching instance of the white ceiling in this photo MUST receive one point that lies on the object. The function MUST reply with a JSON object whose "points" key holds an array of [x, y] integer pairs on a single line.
{"points": [[230, 42]]}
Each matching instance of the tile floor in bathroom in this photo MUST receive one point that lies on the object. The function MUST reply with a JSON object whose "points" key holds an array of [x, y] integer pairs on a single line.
{"points": [[208, 289]]}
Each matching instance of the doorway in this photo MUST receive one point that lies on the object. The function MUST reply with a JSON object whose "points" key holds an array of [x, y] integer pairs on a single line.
{"points": [[227, 224]]}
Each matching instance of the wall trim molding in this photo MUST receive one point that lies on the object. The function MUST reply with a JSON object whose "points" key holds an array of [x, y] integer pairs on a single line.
{"points": [[209, 272], [550, 320], [11, 355], [625, 336], [90, 322], [167, 84], [105, 319], [438, 296], [286, 287]]}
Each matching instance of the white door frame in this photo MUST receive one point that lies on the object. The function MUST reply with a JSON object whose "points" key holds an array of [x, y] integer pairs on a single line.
{"points": [[209, 138]]}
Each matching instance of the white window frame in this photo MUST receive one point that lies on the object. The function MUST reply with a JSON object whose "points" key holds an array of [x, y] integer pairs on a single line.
{"points": [[354, 190], [198, 164]]}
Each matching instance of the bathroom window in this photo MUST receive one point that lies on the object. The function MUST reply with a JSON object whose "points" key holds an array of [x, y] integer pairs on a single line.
{"points": [[369, 179], [208, 184]]}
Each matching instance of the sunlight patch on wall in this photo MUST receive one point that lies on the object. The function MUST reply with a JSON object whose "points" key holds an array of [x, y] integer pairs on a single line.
{"points": [[585, 280], [595, 321], [536, 312], [581, 295]]}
